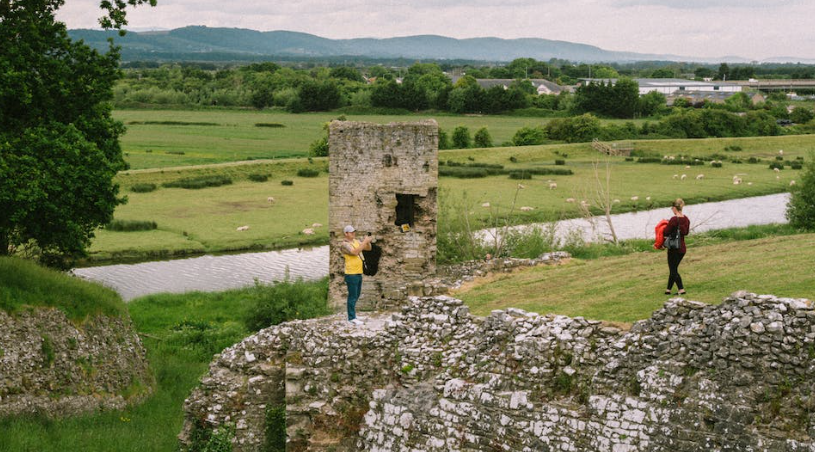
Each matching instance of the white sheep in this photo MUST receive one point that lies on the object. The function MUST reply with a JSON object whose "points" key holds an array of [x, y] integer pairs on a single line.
{"points": [[749, 183], [676, 176], [527, 209], [687, 166], [635, 198], [616, 201], [792, 182], [316, 225], [270, 200], [486, 204], [780, 152], [308, 231], [521, 186], [553, 186], [737, 181], [776, 170], [243, 228], [683, 177], [584, 203], [647, 198], [569, 199], [700, 176]]}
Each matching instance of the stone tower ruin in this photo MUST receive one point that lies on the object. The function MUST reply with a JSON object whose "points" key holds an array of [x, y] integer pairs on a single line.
{"points": [[383, 180]]}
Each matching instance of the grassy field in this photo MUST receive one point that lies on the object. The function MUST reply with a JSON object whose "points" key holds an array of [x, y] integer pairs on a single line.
{"points": [[214, 136], [206, 220], [624, 289]]}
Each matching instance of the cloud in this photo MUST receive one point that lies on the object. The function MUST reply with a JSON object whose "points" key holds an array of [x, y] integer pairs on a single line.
{"points": [[708, 4]]}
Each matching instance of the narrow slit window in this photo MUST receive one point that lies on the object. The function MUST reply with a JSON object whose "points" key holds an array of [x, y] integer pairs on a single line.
{"points": [[405, 207]]}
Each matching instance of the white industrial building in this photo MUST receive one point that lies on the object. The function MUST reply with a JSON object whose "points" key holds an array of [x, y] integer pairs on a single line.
{"points": [[669, 86]]}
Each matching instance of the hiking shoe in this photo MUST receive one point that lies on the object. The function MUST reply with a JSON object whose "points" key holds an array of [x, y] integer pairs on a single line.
{"points": [[357, 322]]}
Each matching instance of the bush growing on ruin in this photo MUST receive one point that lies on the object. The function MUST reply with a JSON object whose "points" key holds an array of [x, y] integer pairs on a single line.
{"points": [[801, 206]]}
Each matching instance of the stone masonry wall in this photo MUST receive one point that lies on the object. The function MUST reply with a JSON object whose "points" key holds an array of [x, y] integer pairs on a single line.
{"points": [[693, 377], [369, 165], [51, 366]]}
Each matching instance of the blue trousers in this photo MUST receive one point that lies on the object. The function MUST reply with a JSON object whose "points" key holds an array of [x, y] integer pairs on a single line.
{"points": [[354, 283]]}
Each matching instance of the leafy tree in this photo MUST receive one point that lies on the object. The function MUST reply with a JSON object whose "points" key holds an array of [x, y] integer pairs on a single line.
{"points": [[320, 95], [801, 206], [527, 136], [386, 93], [574, 130], [59, 145], [663, 73], [346, 73], [652, 103], [724, 72], [801, 115], [461, 138], [482, 138]]}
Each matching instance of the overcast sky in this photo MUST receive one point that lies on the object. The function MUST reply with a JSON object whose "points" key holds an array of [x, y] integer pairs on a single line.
{"points": [[754, 29]]}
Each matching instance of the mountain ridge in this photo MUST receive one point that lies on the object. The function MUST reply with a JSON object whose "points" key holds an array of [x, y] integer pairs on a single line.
{"points": [[208, 43]]}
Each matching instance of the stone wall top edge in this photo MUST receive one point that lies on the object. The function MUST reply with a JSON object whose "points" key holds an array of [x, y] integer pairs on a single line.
{"points": [[396, 124]]}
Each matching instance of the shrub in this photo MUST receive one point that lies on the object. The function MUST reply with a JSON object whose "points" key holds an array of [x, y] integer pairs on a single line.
{"points": [[733, 148], [796, 165], [482, 138], [629, 159], [319, 148], [175, 152], [268, 124], [258, 177], [801, 206], [753, 160], [463, 172], [528, 136], [461, 138], [307, 172], [444, 139], [774, 165], [130, 225], [195, 183], [520, 175], [716, 164], [286, 300], [542, 171], [286, 182], [778, 157], [143, 188], [560, 162], [649, 160], [513, 159]]}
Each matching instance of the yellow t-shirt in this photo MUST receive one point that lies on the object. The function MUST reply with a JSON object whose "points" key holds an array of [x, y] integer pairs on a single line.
{"points": [[353, 264]]}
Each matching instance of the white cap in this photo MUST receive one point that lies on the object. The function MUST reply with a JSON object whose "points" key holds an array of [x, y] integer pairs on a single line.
{"points": [[349, 228]]}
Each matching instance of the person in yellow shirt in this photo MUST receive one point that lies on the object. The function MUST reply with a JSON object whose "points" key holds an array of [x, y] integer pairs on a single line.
{"points": [[352, 249]]}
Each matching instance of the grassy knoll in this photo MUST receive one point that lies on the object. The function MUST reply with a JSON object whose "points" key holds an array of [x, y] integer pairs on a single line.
{"points": [[168, 138], [628, 288], [24, 284], [195, 221], [181, 333]]}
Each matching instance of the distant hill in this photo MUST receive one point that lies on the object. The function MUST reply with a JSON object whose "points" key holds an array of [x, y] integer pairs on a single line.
{"points": [[220, 44]]}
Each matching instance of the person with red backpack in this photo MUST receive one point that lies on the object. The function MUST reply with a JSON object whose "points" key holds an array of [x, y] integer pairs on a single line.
{"points": [[675, 231]]}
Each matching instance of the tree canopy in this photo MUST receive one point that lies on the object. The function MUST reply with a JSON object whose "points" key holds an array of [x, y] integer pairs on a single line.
{"points": [[59, 147]]}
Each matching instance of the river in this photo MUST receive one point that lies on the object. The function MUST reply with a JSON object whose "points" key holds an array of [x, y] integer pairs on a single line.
{"points": [[214, 273]]}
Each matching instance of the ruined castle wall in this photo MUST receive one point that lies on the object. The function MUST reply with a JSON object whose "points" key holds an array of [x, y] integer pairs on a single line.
{"points": [[369, 166], [51, 366], [737, 376]]}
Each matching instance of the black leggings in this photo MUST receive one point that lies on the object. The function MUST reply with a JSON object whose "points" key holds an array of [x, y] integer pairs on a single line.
{"points": [[673, 265]]}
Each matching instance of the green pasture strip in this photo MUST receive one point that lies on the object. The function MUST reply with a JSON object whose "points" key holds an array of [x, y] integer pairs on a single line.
{"points": [[181, 332], [25, 284], [235, 137], [629, 288]]}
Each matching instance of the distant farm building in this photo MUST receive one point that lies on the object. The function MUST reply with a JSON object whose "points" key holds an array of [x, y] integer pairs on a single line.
{"points": [[543, 86]]}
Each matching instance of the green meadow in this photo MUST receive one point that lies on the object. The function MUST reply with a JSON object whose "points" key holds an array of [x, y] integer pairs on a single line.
{"points": [[207, 220]]}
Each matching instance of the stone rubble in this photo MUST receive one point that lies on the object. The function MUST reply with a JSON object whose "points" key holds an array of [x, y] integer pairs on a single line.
{"points": [[433, 378]]}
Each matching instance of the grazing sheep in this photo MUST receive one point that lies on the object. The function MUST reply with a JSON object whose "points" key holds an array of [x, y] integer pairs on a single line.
{"points": [[316, 225], [270, 199], [635, 198], [486, 204], [584, 203], [777, 177], [676, 176], [737, 181], [569, 199], [647, 198], [553, 186], [683, 177], [700, 176], [780, 152], [776, 170], [308, 231], [527, 209], [687, 166], [521, 186], [616, 201], [243, 228], [792, 182], [749, 183]]}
